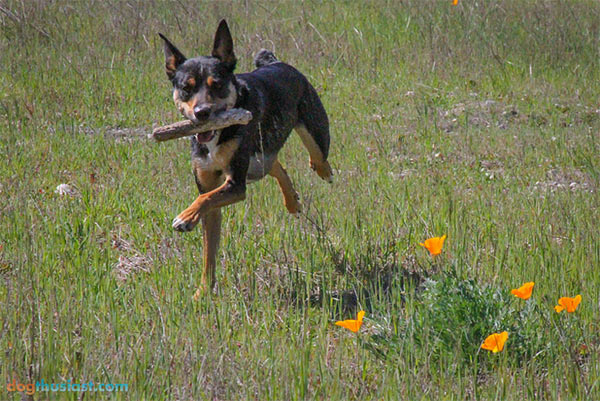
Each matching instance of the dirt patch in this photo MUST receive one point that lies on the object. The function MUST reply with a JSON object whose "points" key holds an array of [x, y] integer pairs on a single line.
{"points": [[491, 113], [130, 260], [565, 180], [116, 133], [492, 169], [119, 134], [129, 265], [484, 114]]}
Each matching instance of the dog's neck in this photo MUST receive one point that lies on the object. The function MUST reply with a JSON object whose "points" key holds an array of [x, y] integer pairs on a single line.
{"points": [[213, 144], [241, 91]]}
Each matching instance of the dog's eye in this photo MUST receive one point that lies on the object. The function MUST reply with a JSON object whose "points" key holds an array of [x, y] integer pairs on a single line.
{"points": [[184, 94], [187, 89], [213, 83]]}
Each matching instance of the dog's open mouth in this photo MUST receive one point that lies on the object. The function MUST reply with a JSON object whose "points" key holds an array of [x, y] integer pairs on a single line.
{"points": [[204, 137]]}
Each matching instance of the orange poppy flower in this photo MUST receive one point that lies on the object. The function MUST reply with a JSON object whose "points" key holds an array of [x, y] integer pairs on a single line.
{"points": [[524, 291], [570, 304], [352, 325], [454, 2], [495, 342], [434, 245]]}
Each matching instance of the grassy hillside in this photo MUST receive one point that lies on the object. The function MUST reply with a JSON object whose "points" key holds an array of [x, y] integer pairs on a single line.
{"points": [[480, 121]]}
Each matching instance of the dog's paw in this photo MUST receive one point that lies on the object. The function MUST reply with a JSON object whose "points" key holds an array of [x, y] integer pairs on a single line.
{"points": [[296, 213], [293, 205], [185, 222], [198, 294], [323, 170]]}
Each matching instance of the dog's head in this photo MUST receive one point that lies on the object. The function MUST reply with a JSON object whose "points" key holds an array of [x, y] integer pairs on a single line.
{"points": [[203, 85]]}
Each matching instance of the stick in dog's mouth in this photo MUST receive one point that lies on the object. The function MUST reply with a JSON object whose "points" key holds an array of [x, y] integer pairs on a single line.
{"points": [[204, 130]]}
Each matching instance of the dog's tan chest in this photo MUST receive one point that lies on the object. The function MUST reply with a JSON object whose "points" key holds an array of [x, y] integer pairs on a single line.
{"points": [[218, 156]]}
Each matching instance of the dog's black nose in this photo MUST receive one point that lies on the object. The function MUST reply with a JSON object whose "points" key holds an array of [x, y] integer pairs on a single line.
{"points": [[202, 112]]}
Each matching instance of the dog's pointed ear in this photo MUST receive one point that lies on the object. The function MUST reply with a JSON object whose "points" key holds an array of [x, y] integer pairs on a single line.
{"points": [[173, 57], [223, 45]]}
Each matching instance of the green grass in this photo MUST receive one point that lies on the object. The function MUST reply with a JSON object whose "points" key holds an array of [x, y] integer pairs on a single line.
{"points": [[479, 121]]}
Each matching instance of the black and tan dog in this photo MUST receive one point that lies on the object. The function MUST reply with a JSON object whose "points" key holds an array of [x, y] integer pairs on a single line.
{"points": [[280, 99]]}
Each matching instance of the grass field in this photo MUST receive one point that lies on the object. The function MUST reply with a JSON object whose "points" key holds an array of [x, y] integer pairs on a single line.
{"points": [[480, 121]]}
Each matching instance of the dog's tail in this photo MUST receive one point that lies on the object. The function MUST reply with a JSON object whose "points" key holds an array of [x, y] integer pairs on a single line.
{"points": [[264, 57]]}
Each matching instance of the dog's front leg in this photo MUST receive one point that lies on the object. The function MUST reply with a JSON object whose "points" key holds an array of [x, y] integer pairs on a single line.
{"points": [[230, 192]]}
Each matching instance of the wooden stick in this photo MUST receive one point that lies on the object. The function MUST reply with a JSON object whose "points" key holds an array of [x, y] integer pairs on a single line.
{"points": [[187, 128]]}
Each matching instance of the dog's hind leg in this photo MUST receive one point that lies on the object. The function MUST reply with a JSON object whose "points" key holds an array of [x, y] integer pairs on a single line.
{"points": [[290, 196], [318, 161], [313, 128], [211, 225]]}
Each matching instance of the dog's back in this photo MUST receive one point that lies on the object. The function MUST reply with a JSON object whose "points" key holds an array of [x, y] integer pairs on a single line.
{"points": [[285, 99]]}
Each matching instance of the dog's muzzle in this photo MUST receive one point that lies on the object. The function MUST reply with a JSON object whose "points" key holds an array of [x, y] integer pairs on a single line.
{"points": [[202, 112]]}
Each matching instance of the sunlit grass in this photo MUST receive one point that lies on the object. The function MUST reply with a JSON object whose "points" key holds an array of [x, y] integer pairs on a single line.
{"points": [[479, 121]]}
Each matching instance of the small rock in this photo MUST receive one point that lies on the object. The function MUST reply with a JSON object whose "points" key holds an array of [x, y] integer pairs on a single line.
{"points": [[65, 189]]}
